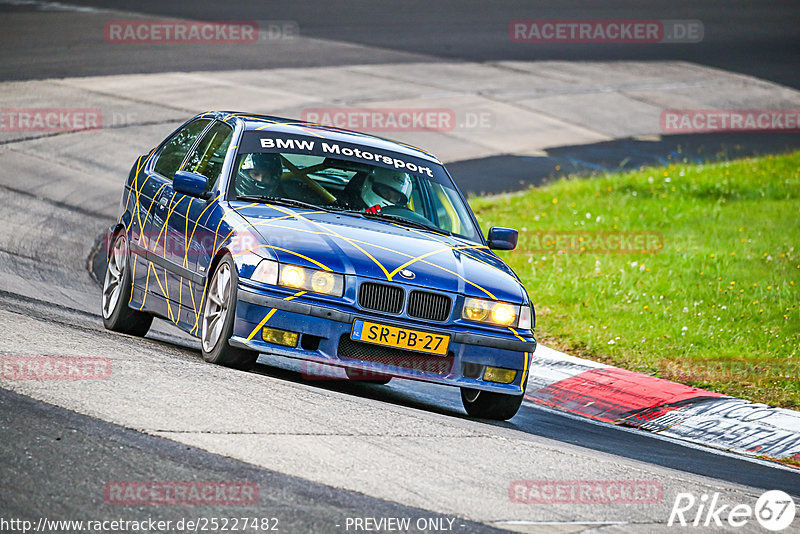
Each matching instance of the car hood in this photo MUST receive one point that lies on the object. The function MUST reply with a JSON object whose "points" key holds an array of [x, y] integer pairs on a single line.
{"points": [[376, 249]]}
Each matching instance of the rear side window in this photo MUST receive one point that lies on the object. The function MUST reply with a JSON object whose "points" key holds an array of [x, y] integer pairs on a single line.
{"points": [[209, 155], [174, 151]]}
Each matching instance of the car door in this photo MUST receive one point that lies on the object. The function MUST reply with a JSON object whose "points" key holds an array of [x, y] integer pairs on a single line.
{"points": [[185, 233], [151, 270]]}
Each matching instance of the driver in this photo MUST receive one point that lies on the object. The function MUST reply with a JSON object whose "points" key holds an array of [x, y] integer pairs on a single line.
{"points": [[385, 187], [263, 178]]}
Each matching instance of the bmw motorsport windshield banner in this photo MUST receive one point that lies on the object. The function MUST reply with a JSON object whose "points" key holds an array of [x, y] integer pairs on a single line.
{"points": [[316, 146]]}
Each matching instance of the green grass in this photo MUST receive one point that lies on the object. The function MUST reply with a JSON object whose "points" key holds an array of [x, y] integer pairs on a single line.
{"points": [[716, 307]]}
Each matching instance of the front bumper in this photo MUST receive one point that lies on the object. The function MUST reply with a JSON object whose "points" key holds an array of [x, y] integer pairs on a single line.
{"points": [[325, 338]]}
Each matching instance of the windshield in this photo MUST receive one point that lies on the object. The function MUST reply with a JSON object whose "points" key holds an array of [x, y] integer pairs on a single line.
{"points": [[340, 184]]}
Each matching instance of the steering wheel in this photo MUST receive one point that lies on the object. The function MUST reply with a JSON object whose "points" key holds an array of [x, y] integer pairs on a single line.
{"points": [[294, 172], [402, 211]]}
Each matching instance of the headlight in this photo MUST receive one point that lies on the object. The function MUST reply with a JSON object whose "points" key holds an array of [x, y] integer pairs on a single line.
{"points": [[296, 277], [492, 312], [266, 272], [325, 282], [476, 310], [293, 276]]}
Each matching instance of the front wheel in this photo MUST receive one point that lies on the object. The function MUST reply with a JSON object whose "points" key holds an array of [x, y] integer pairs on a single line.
{"points": [[117, 315], [490, 405], [219, 314]]}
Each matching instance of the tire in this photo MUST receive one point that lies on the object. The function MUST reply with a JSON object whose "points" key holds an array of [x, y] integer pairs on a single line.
{"points": [[490, 405], [219, 313], [370, 377], [117, 315]]}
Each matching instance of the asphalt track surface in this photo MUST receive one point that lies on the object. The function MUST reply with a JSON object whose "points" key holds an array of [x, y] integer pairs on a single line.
{"points": [[319, 451], [57, 455], [742, 36]]}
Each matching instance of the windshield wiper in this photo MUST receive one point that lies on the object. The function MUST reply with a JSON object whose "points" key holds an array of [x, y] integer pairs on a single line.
{"points": [[407, 222], [280, 200]]}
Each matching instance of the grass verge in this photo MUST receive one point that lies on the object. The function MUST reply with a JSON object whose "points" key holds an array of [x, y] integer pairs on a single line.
{"points": [[689, 272]]}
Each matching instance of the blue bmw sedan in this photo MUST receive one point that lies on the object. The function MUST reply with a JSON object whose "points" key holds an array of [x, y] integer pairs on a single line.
{"points": [[259, 234]]}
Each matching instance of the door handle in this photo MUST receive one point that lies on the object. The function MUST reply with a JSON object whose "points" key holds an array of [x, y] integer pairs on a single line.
{"points": [[163, 202]]}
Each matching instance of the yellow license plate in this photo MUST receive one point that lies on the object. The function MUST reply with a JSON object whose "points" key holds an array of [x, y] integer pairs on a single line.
{"points": [[401, 338]]}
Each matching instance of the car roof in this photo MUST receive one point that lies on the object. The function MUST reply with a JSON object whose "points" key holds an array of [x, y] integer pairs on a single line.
{"points": [[298, 127]]}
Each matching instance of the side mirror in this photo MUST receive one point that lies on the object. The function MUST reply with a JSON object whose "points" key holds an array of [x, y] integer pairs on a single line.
{"points": [[190, 183], [502, 238]]}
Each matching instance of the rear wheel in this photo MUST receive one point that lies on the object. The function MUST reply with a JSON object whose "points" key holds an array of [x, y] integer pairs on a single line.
{"points": [[371, 377], [117, 315], [218, 316], [490, 405]]}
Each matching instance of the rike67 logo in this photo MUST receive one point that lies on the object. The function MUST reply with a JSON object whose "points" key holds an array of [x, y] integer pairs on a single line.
{"points": [[774, 510]]}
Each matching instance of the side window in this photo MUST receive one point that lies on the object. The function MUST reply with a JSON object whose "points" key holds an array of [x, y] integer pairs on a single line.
{"points": [[173, 152], [416, 202], [449, 211], [209, 155]]}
